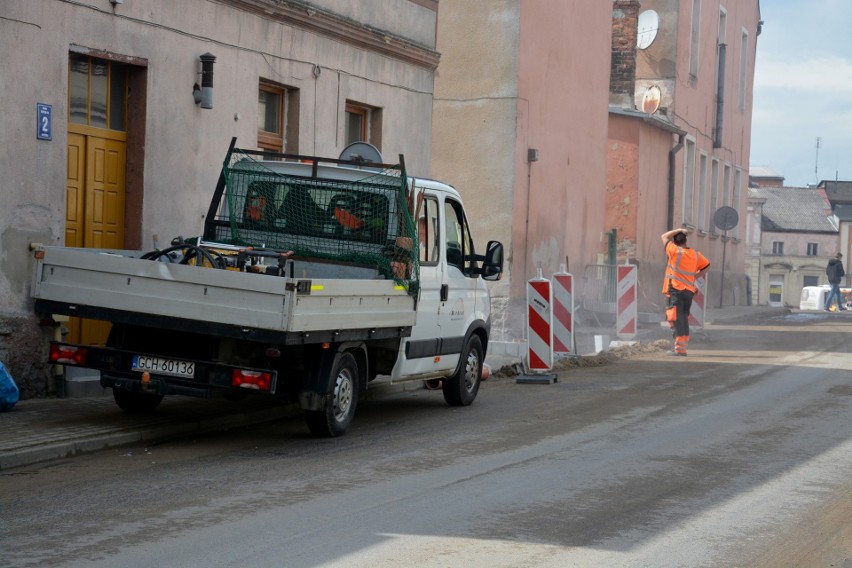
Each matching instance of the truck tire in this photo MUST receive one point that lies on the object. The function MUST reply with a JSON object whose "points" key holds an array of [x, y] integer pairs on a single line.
{"points": [[461, 388], [343, 393], [136, 402]]}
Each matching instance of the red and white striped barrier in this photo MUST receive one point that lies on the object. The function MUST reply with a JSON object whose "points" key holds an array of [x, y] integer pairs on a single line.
{"points": [[626, 301], [563, 312], [697, 313], [539, 324]]}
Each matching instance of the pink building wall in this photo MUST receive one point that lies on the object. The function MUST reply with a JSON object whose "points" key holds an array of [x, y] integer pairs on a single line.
{"points": [[688, 84], [563, 110], [637, 197], [518, 75]]}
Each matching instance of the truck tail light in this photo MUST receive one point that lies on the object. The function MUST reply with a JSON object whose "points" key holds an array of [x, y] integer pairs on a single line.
{"points": [[68, 355], [255, 380]]}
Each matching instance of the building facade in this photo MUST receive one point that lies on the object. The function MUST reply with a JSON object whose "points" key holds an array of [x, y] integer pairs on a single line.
{"points": [[119, 129], [680, 132], [520, 117], [791, 234]]}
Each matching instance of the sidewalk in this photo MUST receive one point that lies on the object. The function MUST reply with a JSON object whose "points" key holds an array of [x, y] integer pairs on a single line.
{"points": [[39, 430]]}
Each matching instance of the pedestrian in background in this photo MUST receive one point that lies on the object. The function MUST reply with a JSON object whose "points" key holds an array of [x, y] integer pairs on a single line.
{"points": [[835, 273], [684, 266]]}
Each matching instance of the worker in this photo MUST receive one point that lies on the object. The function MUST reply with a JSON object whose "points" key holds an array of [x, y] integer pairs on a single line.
{"points": [[683, 268]]}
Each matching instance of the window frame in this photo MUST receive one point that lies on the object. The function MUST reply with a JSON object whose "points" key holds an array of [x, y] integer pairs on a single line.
{"points": [[695, 36], [688, 181], [744, 47], [364, 113], [702, 190], [113, 68], [429, 209], [273, 141]]}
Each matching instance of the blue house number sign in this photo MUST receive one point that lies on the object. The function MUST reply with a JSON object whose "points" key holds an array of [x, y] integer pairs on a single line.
{"points": [[45, 121]]}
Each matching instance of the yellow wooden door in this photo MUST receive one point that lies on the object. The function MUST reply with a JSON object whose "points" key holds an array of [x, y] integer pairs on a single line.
{"points": [[75, 188], [95, 201], [105, 160]]}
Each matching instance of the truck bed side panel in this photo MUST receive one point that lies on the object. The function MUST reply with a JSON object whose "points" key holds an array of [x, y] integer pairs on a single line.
{"points": [[352, 304], [77, 276]]}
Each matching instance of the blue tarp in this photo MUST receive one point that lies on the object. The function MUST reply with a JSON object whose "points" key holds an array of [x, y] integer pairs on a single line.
{"points": [[9, 393]]}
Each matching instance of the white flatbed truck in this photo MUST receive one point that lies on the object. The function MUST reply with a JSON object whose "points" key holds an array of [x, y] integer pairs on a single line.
{"points": [[315, 318]]}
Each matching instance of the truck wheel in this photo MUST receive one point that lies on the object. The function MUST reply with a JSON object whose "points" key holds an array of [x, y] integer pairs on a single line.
{"points": [[335, 419], [461, 388], [136, 402]]}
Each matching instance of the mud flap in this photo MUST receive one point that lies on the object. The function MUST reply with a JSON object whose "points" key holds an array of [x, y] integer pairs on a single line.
{"points": [[314, 394]]}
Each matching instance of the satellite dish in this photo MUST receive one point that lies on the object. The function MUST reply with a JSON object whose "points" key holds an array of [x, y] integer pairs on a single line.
{"points": [[649, 23], [362, 152], [651, 99], [726, 218]]}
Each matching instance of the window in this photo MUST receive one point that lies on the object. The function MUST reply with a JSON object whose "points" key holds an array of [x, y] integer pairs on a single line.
{"points": [[735, 197], [714, 190], [97, 92], [459, 244], [777, 247], [813, 249], [270, 118], [726, 185], [694, 39], [702, 191], [743, 69], [688, 181], [363, 124], [810, 281], [427, 231], [356, 124], [277, 118]]}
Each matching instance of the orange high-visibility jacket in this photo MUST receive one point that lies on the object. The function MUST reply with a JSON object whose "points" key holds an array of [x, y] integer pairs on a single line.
{"points": [[683, 264]]}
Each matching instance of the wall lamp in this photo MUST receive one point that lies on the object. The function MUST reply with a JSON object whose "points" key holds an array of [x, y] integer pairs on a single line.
{"points": [[203, 95]]}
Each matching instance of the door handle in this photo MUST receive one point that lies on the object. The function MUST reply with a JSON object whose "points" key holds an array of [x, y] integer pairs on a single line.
{"points": [[445, 292]]}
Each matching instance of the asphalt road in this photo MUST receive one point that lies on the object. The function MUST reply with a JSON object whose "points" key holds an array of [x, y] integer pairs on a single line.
{"points": [[739, 455]]}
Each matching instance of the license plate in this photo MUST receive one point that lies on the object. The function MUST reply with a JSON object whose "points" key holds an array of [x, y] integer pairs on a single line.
{"points": [[172, 367]]}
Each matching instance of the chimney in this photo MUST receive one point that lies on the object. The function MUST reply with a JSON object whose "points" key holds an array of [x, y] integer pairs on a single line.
{"points": [[622, 75]]}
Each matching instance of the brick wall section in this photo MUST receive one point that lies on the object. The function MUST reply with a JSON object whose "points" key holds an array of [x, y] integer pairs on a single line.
{"points": [[625, 23]]}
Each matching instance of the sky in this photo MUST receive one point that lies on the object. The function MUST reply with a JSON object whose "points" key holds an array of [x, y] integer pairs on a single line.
{"points": [[803, 91]]}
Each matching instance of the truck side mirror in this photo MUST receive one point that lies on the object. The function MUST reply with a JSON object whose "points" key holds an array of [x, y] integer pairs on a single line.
{"points": [[492, 264]]}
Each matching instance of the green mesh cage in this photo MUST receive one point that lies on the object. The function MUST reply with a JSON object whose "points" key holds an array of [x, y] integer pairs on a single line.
{"points": [[363, 219]]}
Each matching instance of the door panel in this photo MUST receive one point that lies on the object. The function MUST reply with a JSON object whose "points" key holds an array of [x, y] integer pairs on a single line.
{"points": [[105, 193], [74, 190], [94, 209]]}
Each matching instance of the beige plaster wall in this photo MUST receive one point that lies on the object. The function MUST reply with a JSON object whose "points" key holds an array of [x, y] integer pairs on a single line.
{"points": [[184, 144]]}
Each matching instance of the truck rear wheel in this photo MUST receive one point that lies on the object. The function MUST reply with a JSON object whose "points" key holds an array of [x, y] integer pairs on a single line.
{"points": [[136, 402], [461, 388], [343, 398]]}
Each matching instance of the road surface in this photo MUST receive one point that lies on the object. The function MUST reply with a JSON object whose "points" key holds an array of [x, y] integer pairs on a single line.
{"points": [[739, 455]]}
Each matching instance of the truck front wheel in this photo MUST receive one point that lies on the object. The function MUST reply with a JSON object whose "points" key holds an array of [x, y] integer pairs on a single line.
{"points": [[461, 388], [343, 398], [136, 402]]}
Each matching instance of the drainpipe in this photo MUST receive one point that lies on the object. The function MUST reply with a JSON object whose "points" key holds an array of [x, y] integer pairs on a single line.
{"points": [[672, 152]]}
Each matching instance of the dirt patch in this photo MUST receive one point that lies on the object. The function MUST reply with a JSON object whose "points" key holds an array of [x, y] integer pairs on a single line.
{"points": [[597, 360]]}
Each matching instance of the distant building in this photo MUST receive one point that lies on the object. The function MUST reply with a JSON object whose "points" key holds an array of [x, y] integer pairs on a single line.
{"points": [[839, 194], [790, 235], [764, 176]]}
